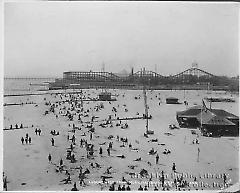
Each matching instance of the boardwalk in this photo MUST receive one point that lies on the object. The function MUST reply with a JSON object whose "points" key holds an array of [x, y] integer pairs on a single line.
{"points": [[30, 78]]}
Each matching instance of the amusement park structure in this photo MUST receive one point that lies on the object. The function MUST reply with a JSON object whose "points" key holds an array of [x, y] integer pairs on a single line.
{"points": [[192, 78]]}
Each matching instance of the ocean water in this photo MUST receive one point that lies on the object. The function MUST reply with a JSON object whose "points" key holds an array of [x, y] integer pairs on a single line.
{"points": [[21, 86]]}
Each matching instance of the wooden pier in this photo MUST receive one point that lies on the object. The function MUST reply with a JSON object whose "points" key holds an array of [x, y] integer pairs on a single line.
{"points": [[119, 119], [13, 104]]}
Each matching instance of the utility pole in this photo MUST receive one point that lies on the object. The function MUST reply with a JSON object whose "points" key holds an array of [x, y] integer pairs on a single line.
{"points": [[198, 154], [146, 107]]}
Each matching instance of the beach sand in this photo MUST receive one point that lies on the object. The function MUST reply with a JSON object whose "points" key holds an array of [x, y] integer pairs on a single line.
{"points": [[27, 166]]}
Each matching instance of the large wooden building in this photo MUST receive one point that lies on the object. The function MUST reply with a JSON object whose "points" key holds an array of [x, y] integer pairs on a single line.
{"points": [[172, 100], [212, 122]]}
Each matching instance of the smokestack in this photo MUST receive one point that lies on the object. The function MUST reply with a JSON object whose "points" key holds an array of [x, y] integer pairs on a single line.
{"points": [[132, 71]]}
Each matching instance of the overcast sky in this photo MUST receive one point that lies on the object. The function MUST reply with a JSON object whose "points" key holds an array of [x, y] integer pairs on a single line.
{"points": [[47, 38]]}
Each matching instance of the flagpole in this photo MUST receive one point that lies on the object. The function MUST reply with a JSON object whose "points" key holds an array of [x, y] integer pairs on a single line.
{"points": [[198, 155], [205, 109], [201, 117]]}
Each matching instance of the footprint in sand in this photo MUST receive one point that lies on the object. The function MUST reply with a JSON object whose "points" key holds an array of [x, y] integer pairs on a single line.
{"points": [[23, 183]]}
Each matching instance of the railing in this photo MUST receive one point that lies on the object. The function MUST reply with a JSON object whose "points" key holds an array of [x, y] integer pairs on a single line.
{"points": [[29, 78]]}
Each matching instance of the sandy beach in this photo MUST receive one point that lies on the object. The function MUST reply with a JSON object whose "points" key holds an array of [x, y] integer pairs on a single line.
{"points": [[27, 166], [172, 70]]}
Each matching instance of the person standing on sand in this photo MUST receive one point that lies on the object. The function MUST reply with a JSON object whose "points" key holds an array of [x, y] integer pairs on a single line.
{"points": [[71, 146], [110, 145], [22, 140], [4, 182], [162, 179], [80, 169], [39, 132], [126, 140], [157, 158], [145, 188], [81, 179], [128, 188], [174, 167], [26, 140], [74, 187], [130, 146], [73, 139], [49, 157], [52, 141], [224, 179], [100, 151], [119, 188], [36, 131], [81, 142], [108, 150], [61, 162], [29, 140], [140, 188]]}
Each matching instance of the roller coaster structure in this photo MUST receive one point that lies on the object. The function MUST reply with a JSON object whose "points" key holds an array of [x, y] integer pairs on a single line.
{"points": [[191, 75], [139, 76]]}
